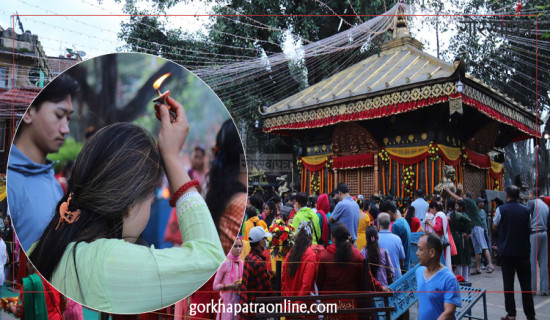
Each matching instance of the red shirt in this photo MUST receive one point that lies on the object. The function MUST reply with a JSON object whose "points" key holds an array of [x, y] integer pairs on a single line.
{"points": [[302, 283], [337, 278], [415, 224]]}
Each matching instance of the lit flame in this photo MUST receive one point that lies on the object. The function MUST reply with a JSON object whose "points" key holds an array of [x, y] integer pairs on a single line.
{"points": [[165, 193], [159, 81]]}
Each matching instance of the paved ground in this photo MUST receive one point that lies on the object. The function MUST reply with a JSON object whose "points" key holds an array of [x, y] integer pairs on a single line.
{"points": [[491, 282]]}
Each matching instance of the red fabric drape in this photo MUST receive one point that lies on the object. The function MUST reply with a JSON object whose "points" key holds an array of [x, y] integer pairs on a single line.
{"points": [[355, 161], [479, 160], [314, 167], [447, 160], [409, 161], [363, 115], [495, 175]]}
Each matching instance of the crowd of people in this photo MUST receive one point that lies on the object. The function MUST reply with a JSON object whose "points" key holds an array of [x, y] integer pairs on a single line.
{"points": [[373, 231]]}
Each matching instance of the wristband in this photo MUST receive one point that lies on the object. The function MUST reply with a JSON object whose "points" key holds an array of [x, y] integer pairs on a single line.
{"points": [[186, 186]]}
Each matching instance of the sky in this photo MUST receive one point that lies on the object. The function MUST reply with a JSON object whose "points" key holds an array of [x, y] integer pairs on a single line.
{"points": [[93, 35], [97, 35]]}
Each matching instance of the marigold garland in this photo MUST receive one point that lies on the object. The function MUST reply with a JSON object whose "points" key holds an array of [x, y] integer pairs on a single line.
{"points": [[464, 154], [384, 156], [329, 162], [433, 151], [314, 182], [408, 181]]}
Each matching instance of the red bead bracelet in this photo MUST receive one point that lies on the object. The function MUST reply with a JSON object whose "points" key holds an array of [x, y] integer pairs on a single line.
{"points": [[186, 186]]}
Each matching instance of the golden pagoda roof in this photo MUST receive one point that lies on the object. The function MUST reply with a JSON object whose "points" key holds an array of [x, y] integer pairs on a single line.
{"points": [[402, 63]]}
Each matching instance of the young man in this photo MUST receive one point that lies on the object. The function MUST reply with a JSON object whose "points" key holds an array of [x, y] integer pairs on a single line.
{"points": [[513, 221], [438, 289], [33, 192], [256, 279], [346, 211], [304, 213]]}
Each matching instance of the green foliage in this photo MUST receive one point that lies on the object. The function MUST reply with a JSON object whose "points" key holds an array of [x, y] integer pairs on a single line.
{"points": [[243, 36], [68, 152]]}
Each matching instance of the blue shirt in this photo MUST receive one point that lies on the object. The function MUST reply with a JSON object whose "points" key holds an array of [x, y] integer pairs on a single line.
{"points": [[347, 213], [420, 208], [402, 229], [33, 193], [392, 243], [433, 293]]}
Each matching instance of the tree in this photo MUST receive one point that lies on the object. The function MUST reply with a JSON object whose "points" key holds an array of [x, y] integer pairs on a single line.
{"points": [[509, 63], [238, 38]]}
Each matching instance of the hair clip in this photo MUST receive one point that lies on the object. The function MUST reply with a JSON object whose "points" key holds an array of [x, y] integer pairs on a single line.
{"points": [[65, 214]]}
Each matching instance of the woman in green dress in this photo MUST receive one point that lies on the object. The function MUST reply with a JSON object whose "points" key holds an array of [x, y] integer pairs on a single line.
{"points": [[461, 226]]}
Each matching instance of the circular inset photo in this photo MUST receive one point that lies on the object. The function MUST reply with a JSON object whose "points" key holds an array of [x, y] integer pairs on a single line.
{"points": [[126, 184]]}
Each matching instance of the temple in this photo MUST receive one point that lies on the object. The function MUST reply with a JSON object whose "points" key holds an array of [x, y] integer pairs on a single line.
{"points": [[389, 124]]}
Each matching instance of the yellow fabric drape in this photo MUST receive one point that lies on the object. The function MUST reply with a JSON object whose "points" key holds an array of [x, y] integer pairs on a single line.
{"points": [[3, 192], [407, 152], [315, 160], [451, 153], [496, 167]]}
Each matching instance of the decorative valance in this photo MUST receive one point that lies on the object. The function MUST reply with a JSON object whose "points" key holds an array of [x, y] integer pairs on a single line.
{"points": [[370, 108], [354, 161], [450, 155], [497, 111], [315, 163], [400, 102]]}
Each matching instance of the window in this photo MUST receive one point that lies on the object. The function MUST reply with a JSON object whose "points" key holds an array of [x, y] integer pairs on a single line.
{"points": [[4, 77]]}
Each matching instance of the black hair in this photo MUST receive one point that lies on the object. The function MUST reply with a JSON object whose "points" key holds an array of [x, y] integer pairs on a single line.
{"points": [[410, 214], [419, 193], [275, 198], [373, 210], [342, 187], [366, 205], [373, 250], [302, 242], [257, 202], [118, 168], [436, 205], [57, 90], [512, 191], [388, 206], [251, 212], [223, 177], [462, 205], [433, 241], [273, 206], [301, 198], [332, 204], [451, 204], [200, 147], [342, 240]]}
